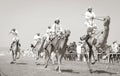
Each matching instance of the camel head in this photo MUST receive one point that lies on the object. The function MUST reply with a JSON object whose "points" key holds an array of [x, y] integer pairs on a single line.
{"points": [[107, 21], [67, 33], [84, 37], [32, 46], [44, 38]]}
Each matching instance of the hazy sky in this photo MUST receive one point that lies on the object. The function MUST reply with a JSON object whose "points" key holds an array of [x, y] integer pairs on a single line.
{"points": [[32, 16]]}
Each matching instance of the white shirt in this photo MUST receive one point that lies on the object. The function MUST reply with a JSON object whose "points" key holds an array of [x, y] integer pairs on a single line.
{"points": [[56, 28], [49, 31], [15, 35], [89, 21], [37, 38]]}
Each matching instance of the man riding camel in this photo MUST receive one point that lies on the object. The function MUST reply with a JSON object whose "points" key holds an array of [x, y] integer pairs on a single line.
{"points": [[36, 38], [56, 28], [49, 36], [91, 27], [89, 21], [14, 32], [52, 32]]}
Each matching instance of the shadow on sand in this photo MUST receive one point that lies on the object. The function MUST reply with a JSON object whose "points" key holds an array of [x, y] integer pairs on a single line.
{"points": [[2, 73], [21, 63], [69, 71], [103, 71], [39, 64]]}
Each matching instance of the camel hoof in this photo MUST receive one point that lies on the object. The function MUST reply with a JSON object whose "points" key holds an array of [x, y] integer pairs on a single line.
{"points": [[18, 58], [107, 67], [90, 70], [56, 68], [45, 66], [60, 71], [36, 63], [37, 58], [12, 62], [93, 62]]}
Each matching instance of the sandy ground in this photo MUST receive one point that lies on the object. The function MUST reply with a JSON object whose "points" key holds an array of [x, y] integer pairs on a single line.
{"points": [[25, 66]]}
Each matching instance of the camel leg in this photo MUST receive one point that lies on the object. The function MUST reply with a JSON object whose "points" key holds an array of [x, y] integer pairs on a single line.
{"points": [[85, 57], [37, 56], [90, 55], [57, 56], [36, 60], [110, 58], [47, 58], [44, 56], [89, 61], [18, 53], [94, 54], [13, 57], [89, 67], [53, 56], [59, 63]]}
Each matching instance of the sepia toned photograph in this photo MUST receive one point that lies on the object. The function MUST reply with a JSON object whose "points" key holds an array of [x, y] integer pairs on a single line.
{"points": [[59, 38]]}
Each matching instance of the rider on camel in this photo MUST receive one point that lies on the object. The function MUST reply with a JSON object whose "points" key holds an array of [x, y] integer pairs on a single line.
{"points": [[56, 28], [91, 26], [91, 30], [14, 32], [36, 38], [49, 36], [89, 21], [52, 32]]}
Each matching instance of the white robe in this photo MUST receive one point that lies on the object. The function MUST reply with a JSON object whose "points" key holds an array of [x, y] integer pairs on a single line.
{"points": [[89, 22]]}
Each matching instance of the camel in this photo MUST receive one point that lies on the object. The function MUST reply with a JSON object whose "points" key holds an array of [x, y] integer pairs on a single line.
{"points": [[58, 45], [97, 43], [15, 50], [38, 48]]}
